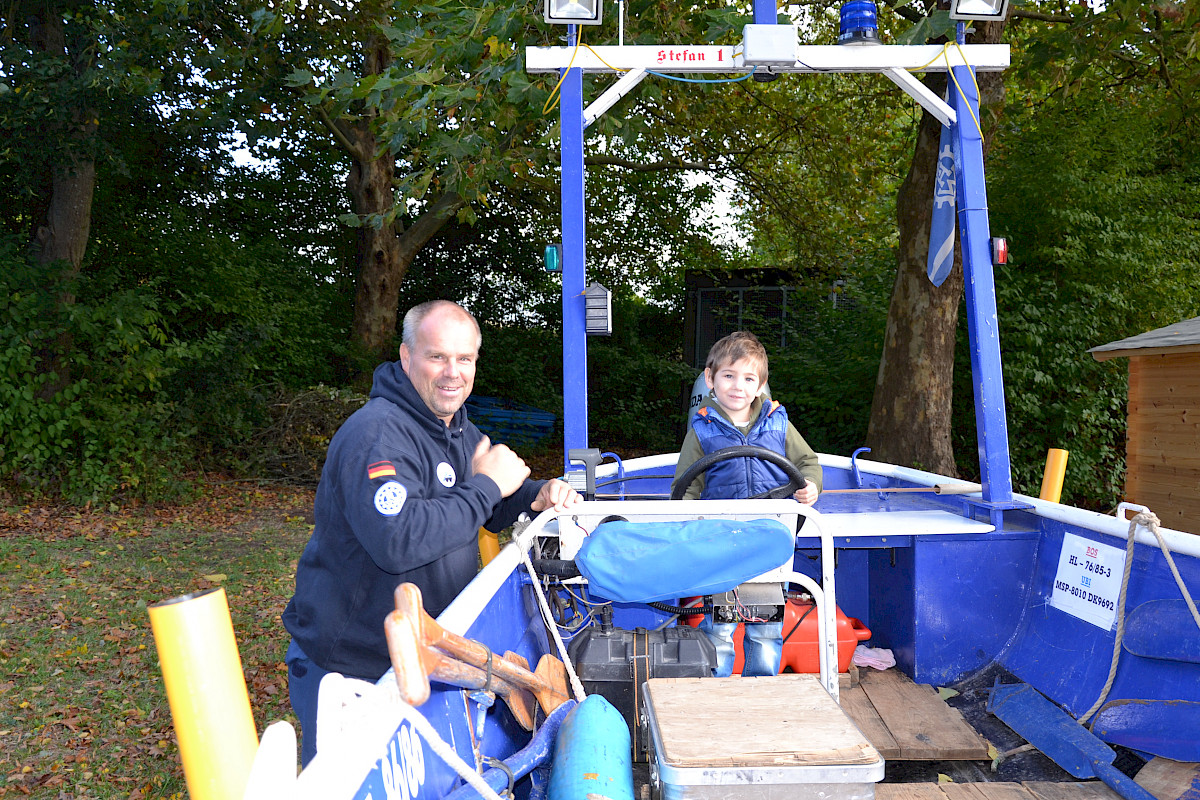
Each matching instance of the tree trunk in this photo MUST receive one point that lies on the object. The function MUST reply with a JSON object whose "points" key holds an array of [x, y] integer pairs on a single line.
{"points": [[64, 236], [911, 410], [380, 270], [61, 240], [910, 413], [385, 252]]}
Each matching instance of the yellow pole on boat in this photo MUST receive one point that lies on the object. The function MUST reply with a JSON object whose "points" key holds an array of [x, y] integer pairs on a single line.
{"points": [[489, 545], [206, 689], [1052, 478]]}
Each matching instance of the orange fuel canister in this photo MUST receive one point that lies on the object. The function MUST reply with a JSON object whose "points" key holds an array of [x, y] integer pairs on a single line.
{"points": [[800, 653]]}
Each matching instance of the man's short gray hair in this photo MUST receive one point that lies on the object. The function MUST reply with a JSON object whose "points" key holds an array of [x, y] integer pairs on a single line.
{"points": [[417, 314]]}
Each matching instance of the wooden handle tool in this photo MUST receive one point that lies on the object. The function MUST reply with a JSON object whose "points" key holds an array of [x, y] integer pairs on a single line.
{"points": [[420, 649]]}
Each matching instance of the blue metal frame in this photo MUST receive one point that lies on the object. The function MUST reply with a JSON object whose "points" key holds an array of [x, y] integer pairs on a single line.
{"points": [[575, 403], [982, 325]]}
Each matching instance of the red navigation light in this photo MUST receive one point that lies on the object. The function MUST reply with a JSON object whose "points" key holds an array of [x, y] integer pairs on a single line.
{"points": [[999, 250]]}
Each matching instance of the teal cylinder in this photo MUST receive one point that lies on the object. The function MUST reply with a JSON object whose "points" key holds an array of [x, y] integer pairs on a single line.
{"points": [[592, 755]]}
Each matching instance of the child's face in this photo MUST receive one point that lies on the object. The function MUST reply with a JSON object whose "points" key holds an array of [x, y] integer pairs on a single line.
{"points": [[735, 386]]}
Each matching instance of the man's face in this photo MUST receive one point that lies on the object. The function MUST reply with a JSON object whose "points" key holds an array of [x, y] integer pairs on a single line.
{"points": [[442, 363]]}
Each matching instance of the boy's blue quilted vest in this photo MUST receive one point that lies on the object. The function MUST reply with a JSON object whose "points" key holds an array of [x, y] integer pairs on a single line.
{"points": [[742, 477]]}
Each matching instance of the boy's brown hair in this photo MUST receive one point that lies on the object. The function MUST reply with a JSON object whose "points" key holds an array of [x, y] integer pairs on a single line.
{"points": [[733, 348]]}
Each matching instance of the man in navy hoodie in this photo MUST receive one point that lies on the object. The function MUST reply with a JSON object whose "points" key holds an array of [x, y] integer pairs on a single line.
{"points": [[407, 483]]}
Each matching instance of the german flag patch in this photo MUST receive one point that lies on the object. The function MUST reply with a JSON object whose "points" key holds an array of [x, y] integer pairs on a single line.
{"points": [[380, 469]]}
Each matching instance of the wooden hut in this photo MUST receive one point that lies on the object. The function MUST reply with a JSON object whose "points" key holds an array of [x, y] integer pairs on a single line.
{"points": [[1162, 462]]}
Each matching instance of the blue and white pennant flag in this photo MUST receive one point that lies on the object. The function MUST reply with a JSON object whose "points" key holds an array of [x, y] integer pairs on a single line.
{"points": [[941, 225]]}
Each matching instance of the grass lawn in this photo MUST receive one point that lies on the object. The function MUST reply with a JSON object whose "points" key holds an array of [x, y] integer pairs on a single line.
{"points": [[83, 711]]}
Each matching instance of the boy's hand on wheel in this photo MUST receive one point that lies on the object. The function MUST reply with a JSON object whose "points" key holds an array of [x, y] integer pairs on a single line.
{"points": [[806, 494]]}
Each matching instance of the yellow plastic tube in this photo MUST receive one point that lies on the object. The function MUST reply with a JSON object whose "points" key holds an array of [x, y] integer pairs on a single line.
{"points": [[1052, 478], [206, 689], [489, 545]]}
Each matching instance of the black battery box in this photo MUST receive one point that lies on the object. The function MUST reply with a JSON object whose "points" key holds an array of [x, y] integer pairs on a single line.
{"points": [[614, 663]]}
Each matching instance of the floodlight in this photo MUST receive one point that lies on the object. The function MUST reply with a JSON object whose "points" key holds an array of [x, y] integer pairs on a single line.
{"points": [[981, 10], [573, 12]]}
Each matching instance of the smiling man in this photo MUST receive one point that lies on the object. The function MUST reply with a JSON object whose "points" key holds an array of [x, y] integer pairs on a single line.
{"points": [[407, 483]]}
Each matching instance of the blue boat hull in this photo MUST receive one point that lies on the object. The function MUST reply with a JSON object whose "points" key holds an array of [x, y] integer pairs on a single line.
{"points": [[948, 606]]}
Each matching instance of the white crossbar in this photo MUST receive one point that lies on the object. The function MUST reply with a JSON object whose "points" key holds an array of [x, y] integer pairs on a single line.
{"points": [[728, 58]]}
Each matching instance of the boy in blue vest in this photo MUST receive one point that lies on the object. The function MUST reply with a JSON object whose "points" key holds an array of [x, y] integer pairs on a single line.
{"points": [[735, 413]]}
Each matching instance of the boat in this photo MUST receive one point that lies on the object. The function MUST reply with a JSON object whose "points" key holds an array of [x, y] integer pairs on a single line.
{"points": [[1048, 612]]}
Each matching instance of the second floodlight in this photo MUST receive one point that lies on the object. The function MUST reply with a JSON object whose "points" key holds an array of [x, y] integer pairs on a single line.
{"points": [[979, 10], [573, 12]]}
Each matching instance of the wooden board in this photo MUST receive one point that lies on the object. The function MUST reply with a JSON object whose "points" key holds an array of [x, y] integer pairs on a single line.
{"points": [[1084, 790], [783, 721], [909, 791], [1167, 779], [858, 707], [986, 791], [920, 722], [1029, 790]]}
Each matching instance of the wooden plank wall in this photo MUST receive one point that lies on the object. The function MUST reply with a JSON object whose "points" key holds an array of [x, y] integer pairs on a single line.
{"points": [[1162, 470]]}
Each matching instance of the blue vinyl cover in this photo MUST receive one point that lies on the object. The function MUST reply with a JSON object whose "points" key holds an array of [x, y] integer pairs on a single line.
{"points": [[647, 561]]}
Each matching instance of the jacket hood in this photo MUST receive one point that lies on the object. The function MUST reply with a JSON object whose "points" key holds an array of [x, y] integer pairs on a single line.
{"points": [[392, 384]]}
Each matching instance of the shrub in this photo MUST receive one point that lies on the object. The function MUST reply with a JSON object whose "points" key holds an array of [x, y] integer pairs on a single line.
{"points": [[106, 429]]}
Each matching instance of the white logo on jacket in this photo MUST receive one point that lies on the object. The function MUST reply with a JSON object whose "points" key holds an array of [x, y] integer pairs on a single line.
{"points": [[389, 498], [445, 474]]}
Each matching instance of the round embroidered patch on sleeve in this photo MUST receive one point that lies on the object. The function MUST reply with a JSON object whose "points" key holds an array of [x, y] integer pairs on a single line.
{"points": [[389, 498]]}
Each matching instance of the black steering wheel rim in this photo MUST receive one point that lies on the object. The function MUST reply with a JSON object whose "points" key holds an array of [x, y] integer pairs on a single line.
{"points": [[701, 465]]}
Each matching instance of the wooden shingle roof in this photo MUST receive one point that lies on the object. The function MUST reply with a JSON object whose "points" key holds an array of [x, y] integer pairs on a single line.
{"points": [[1181, 337]]}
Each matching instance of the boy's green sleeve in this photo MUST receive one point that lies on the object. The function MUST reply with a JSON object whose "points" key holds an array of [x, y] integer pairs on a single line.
{"points": [[803, 456], [689, 454]]}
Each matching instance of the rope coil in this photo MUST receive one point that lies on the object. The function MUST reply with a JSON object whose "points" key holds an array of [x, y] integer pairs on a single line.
{"points": [[1149, 520]]}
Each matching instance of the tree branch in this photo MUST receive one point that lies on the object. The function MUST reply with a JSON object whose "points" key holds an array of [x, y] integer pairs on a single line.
{"points": [[332, 125], [1041, 16], [662, 164], [430, 222]]}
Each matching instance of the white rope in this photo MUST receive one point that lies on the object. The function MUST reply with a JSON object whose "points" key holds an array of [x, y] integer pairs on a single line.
{"points": [[1187, 598], [1148, 520], [446, 752], [576, 685]]}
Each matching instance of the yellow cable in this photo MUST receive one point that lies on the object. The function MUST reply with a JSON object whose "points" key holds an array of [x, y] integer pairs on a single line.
{"points": [[605, 63], [554, 94], [930, 61], [946, 55], [950, 71]]}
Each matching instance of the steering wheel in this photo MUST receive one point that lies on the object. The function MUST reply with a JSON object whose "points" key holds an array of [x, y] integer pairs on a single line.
{"points": [[701, 465]]}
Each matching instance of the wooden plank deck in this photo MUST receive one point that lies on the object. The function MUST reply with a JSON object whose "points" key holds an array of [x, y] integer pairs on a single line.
{"points": [[1027, 790], [906, 721]]}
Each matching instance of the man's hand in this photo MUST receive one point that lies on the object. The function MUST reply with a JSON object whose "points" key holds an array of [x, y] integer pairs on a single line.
{"points": [[807, 494], [500, 464], [555, 493]]}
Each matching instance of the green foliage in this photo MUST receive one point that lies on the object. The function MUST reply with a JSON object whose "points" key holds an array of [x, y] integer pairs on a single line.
{"points": [[637, 380], [825, 375], [1102, 206], [522, 364], [183, 341], [1057, 395], [107, 432]]}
